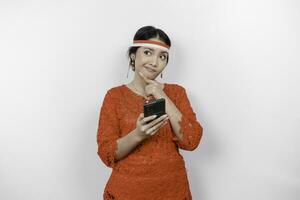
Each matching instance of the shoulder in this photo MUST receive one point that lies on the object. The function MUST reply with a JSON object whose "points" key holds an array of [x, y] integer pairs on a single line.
{"points": [[175, 87], [175, 91], [115, 90], [113, 93]]}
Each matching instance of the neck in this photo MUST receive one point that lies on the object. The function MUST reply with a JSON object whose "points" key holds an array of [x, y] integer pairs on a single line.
{"points": [[139, 82]]}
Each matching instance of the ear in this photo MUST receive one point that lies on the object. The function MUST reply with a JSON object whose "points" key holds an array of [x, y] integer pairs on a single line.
{"points": [[132, 56]]}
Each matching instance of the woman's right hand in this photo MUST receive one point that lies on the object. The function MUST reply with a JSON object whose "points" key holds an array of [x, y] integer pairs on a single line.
{"points": [[144, 129]]}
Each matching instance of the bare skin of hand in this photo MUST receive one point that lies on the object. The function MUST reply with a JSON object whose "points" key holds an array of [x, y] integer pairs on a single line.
{"points": [[148, 126], [153, 87]]}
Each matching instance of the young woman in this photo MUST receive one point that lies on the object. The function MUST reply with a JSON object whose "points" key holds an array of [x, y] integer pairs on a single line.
{"points": [[143, 151]]}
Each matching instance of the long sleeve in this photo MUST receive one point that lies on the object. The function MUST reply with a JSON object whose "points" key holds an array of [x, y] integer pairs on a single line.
{"points": [[108, 130], [189, 126]]}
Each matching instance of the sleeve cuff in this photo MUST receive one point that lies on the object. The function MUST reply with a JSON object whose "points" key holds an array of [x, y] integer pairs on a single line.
{"points": [[108, 153]]}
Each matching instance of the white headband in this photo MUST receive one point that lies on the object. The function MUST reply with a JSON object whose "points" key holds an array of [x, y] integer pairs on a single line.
{"points": [[150, 43]]}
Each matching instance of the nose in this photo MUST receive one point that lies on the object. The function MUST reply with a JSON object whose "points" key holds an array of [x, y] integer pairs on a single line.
{"points": [[154, 61]]}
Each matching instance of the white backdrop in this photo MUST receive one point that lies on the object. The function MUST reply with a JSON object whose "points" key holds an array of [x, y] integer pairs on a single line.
{"points": [[238, 60]]}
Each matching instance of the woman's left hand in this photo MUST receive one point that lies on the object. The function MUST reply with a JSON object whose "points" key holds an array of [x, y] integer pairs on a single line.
{"points": [[153, 87]]}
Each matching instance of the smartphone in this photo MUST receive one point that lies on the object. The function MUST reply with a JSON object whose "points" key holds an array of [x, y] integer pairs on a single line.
{"points": [[156, 107]]}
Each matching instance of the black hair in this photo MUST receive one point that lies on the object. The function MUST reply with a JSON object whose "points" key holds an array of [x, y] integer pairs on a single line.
{"points": [[145, 33]]}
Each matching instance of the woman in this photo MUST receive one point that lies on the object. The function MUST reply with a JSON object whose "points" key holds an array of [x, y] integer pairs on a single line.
{"points": [[143, 151]]}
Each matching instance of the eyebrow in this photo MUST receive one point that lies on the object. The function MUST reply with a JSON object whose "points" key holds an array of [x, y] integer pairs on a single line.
{"points": [[153, 50]]}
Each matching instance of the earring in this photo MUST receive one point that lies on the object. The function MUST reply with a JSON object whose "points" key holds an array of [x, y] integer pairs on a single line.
{"points": [[161, 75], [132, 64]]}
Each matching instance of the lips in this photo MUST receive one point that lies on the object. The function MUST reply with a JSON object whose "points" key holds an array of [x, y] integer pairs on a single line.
{"points": [[150, 70]]}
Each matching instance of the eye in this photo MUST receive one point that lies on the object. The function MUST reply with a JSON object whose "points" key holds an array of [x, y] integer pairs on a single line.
{"points": [[146, 52], [163, 57]]}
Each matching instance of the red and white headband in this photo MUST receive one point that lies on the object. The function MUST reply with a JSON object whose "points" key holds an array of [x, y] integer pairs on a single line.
{"points": [[150, 43]]}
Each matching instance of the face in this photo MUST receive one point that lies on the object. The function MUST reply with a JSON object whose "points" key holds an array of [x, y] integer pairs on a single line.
{"points": [[150, 61]]}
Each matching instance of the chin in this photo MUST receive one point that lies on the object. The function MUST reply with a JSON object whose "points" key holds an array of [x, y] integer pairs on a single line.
{"points": [[152, 77], [149, 75]]}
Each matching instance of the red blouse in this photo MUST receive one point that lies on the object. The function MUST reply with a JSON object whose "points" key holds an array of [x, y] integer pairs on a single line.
{"points": [[155, 169]]}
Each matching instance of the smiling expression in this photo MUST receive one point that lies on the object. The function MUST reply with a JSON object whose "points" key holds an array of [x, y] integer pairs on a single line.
{"points": [[150, 61]]}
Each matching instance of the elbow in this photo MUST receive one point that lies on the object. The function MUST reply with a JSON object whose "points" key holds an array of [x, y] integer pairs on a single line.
{"points": [[194, 142], [198, 139], [105, 159], [107, 156]]}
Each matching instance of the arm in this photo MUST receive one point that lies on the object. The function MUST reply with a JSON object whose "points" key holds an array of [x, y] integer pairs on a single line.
{"points": [[189, 126], [128, 143], [175, 116], [112, 147], [183, 120], [184, 123]]}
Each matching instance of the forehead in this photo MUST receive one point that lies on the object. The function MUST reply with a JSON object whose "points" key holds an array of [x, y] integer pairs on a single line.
{"points": [[154, 49]]}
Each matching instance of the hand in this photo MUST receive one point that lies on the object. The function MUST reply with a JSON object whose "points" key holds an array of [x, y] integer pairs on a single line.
{"points": [[148, 126], [153, 87]]}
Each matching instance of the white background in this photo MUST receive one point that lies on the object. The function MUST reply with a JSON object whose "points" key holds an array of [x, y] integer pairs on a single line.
{"points": [[238, 60]]}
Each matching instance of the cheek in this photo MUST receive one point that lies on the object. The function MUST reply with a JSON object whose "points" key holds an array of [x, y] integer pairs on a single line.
{"points": [[163, 63], [163, 66], [142, 59]]}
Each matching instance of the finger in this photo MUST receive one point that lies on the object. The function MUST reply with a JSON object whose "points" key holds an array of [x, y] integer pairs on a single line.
{"points": [[153, 132], [149, 118], [149, 97], [150, 130], [147, 80], [157, 127], [141, 116], [142, 75], [161, 118]]}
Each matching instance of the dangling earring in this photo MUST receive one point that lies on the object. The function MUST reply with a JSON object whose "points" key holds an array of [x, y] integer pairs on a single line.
{"points": [[161, 75], [132, 64]]}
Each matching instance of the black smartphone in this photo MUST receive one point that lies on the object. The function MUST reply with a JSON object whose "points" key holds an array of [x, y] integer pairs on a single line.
{"points": [[155, 107]]}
